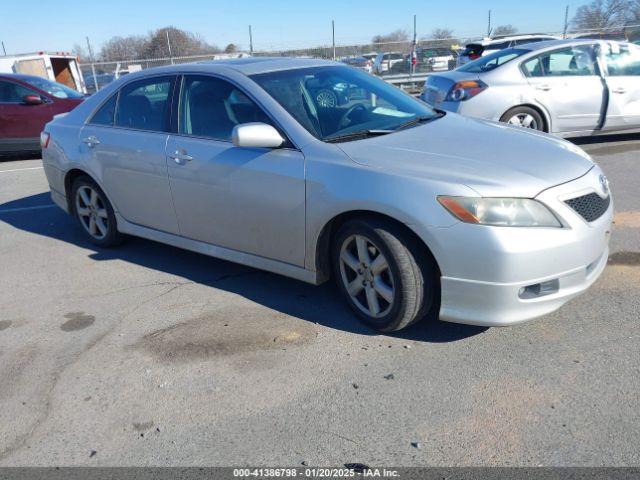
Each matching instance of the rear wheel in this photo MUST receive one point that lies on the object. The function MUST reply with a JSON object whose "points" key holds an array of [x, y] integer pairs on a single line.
{"points": [[386, 278], [526, 117], [94, 213]]}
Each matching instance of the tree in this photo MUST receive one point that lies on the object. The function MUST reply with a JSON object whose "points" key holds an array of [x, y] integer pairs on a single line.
{"points": [[441, 34], [80, 52], [123, 48], [182, 44], [395, 36], [231, 48], [602, 14], [504, 30]]}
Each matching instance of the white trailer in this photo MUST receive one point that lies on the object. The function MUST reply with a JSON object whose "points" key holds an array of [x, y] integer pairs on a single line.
{"points": [[56, 66]]}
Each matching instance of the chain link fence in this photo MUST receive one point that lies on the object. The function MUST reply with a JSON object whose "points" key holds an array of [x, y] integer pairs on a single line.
{"points": [[396, 61]]}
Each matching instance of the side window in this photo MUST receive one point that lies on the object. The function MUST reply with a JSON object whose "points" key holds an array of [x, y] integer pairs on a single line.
{"points": [[106, 114], [622, 60], [145, 104], [572, 61], [211, 107], [13, 93], [533, 68]]}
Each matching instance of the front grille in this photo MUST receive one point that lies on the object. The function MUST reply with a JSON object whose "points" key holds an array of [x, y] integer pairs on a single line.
{"points": [[590, 207]]}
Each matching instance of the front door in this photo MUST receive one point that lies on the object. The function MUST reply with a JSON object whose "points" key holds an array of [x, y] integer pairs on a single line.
{"points": [[125, 142], [246, 199], [21, 123], [567, 82], [623, 81]]}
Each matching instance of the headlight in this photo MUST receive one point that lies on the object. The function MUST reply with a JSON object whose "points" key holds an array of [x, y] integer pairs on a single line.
{"points": [[501, 212]]}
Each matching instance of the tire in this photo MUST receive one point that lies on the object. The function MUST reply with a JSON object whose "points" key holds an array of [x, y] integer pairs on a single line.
{"points": [[411, 274], [526, 117], [94, 213]]}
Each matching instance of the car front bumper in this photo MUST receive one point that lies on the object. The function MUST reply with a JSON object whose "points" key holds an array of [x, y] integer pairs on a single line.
{"points": [[490, 274]]}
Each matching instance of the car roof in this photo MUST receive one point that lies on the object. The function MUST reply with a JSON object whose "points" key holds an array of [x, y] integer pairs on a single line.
{"points": [[557, 43], [21, 76]]}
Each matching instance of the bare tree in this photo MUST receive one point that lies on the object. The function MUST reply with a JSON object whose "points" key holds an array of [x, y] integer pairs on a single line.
{"points": [[395, 36], [123, 48], [80, 52], [504, 30], [182, 44], [441, 34], [602, 14], [231, 48]]}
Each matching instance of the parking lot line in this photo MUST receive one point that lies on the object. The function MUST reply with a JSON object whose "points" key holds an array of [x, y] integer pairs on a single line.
{"points": [[23, 209], [21, 169]]}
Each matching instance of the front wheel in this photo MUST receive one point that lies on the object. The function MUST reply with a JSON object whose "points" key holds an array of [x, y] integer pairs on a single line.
{"points": [[94, 213], [525, 117], [384, 275]]}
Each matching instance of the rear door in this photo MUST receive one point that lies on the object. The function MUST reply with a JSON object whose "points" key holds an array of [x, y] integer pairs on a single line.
{"points": [[21, 124], [622, 63], [567, 82], [125, 143], [246, 199]]}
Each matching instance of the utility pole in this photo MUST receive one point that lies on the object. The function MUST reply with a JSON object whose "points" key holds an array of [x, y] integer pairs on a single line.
{"points": [[414, 47], [169, 45], [4, 49], [566, 22], [250, 41], [333, 36], [489, 25], [93, 66]]}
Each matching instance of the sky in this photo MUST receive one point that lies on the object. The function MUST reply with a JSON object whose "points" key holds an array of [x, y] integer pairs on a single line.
{"points": [[277, 24]]}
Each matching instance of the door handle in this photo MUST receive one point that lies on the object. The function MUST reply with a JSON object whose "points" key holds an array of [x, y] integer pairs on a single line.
{"points": [[91, 141], [544, 88], [619, 90], [180, 157]]}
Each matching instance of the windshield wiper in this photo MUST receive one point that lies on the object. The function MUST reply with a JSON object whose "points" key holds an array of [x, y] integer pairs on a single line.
{"points": [[357, 135], [421, 119]]}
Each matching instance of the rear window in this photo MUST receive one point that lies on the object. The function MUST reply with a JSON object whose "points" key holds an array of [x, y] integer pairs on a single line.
{"points": [[493, 60], [473, 49]]}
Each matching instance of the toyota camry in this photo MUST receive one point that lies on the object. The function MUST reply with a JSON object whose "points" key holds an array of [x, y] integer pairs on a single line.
{"points": [[416, 213]]}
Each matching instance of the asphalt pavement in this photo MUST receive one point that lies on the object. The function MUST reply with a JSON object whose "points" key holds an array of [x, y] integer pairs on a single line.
{"points": [[150, 355]]}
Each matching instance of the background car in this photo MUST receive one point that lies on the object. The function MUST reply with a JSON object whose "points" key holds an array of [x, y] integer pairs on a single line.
{"points": [[362, 63], [475, 50], [434, 59], [27, 103], [555, 86], [385, 62], [101, 79]]}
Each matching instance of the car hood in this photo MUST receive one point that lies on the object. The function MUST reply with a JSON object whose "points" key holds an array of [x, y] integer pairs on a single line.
{"points": [[492, 158]]}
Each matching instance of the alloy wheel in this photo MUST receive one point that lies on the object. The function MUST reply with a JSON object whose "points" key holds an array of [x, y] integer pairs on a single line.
{"points": [[326, 99], [366, 276], [92, 212], [524, 120]]}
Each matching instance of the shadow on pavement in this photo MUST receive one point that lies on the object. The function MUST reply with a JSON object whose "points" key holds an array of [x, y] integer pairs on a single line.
{"points": [[626, 137], [318, 304], [20, 156]]}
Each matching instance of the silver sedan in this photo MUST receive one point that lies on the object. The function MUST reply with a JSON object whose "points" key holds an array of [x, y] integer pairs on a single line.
{"points": [[565, 87], [415, 213]]}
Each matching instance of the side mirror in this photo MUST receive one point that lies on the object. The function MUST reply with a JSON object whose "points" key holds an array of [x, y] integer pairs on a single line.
{"points": [[32, 100], [257, 134]]}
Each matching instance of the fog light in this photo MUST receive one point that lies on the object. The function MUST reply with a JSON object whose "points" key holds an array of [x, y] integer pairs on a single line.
{"points": [[539, 289]]}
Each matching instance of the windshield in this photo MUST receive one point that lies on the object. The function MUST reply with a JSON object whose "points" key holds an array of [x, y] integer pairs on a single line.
{"points": [[53, 88], [493, 60], [332, 102]]}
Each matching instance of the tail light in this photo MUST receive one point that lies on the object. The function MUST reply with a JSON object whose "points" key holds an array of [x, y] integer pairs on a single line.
{"points": [[44, 139], [474, 56], [465, 90]]}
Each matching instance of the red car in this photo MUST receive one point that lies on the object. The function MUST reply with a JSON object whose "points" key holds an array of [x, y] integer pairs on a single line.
{"points": [[27, 103]]}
